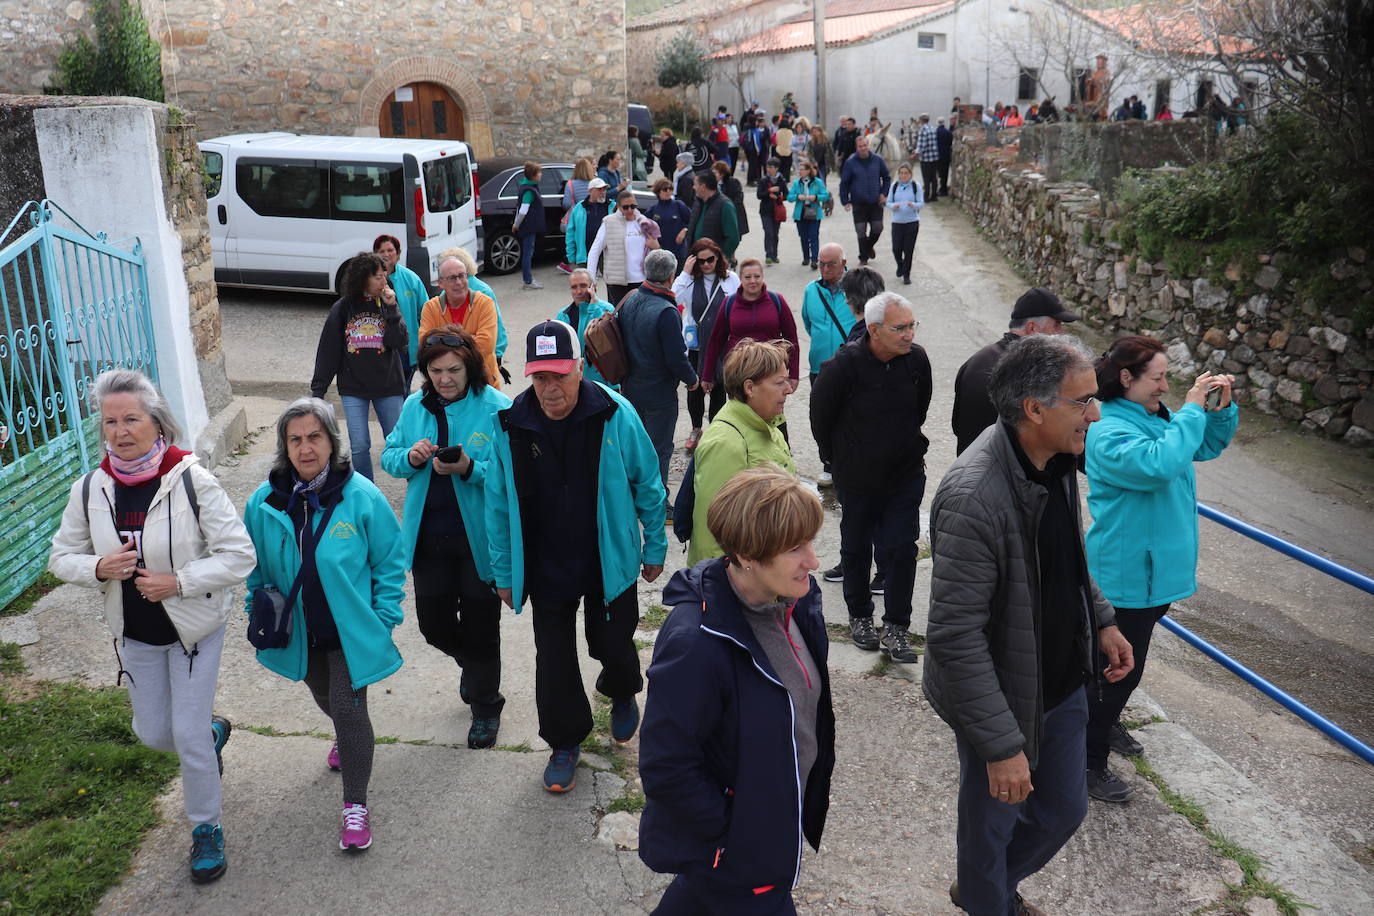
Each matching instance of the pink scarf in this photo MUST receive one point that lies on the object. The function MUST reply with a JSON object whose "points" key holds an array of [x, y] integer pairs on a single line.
{"points": [[138, 470]]}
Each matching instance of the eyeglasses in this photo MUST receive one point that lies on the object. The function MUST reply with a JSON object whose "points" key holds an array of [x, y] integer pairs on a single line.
{"points": [[830, 263], [1083, 406], [903, 328], [446, 340], [449, 278]]}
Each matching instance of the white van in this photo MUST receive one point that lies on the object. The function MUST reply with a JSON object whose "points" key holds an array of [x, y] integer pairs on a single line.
{"points": [[287, 210]]}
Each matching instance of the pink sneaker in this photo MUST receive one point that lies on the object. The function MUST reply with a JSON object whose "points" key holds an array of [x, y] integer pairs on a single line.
{"points": [[355, 831], [566, 267], [332, 761]]}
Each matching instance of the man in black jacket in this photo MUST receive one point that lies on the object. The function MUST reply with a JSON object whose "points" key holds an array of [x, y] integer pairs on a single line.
{"points": [[867, 408], [1015, 620], [1038, 311]]}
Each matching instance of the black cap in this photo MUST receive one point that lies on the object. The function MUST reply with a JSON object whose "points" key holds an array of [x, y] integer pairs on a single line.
{"points": [[1037, 302]]}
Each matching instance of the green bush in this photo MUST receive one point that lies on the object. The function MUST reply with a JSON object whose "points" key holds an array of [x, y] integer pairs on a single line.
{"points": [[124, 60]]}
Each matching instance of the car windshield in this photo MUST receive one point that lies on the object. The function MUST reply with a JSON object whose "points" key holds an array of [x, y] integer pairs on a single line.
{"points": [[448, 183]]}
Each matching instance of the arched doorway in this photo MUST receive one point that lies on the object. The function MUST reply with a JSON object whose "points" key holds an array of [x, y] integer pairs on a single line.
{"points": [[421, 111]]}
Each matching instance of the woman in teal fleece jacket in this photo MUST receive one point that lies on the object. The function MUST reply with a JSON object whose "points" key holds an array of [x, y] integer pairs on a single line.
{"points": [[443, 533], [1143, 544], [352, 573]]}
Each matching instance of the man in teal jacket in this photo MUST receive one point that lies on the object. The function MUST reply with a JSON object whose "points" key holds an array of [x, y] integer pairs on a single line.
{"points": [[583, 308], [556, 540], [584, 220]]}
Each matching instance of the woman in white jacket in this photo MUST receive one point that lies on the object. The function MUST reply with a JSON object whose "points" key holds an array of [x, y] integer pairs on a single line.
{"points": [[155, 532]]}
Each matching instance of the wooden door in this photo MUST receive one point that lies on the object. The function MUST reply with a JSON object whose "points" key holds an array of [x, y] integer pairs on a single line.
{"points": [[421, 111]]}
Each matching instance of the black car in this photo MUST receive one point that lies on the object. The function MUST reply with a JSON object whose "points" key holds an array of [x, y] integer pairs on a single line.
{"points": [[500, 181]]}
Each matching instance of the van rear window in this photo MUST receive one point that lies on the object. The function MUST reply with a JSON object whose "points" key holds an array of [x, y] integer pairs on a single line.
{"points": [[367, 191], [448, 183]]}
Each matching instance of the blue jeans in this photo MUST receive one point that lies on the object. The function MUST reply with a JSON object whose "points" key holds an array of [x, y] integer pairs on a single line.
{"points": [[660, 422], [527, 240], [999, 844], [359, 436], [810, 232]]}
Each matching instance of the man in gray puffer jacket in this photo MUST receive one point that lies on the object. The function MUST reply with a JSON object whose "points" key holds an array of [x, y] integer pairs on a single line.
{"points": [[1013, 618]]}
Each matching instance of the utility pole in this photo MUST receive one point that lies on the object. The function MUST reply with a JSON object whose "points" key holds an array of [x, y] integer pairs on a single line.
{"points": [[818, 7]]}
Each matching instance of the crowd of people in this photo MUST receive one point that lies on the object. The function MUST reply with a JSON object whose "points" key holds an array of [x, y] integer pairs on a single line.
{"points": [[558, 497]]}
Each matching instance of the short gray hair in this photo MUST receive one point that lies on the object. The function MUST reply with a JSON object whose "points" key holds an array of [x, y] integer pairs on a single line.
{"points": [[660, 265], [1034, 367], [584, 272], [320, 410], [131, 381], [875, 309], [1017, 324]]}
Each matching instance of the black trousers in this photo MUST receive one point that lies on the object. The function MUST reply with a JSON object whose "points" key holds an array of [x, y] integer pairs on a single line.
{"points": [[904, 245], [890, 518], [930, 180], [868, 226], [460, 615], [615, 292], [770, 237], [565, 715], [754, 170], [1105, 704], [944, 176], [696, 399], [698, 896]]}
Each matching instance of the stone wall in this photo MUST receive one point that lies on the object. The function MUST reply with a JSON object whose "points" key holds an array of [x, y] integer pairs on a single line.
{"points": [[1292, 355], [1099, 153], [533, 80]]}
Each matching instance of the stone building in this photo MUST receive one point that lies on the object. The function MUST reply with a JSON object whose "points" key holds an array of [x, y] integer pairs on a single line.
{"points": [[510, 78]]}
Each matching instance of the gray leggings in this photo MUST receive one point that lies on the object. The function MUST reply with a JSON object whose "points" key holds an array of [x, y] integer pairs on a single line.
{"points": [[326, 675]]}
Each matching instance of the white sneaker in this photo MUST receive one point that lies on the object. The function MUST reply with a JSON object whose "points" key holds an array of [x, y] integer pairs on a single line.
{"points": [[533, 284], [825, 479]]}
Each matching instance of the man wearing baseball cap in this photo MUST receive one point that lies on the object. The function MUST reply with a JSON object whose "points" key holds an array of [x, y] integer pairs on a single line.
{"points": [[1038, 311], [584, 220], [547, 542]]}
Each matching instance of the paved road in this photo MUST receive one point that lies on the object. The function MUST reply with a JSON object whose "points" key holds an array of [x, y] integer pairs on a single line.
{"points": [[471, 832]]}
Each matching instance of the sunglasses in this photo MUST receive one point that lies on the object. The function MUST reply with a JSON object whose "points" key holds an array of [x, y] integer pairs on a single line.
{"points": [[446, 340], [709, 259], [628, 207]]}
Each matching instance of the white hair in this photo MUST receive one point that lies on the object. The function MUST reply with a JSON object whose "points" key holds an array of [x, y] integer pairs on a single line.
{"points": [[131, 381], [584, 272], [875, 309]]}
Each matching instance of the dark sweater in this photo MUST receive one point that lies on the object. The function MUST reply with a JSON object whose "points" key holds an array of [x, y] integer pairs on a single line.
{"points": [[973, 412], [866, 416], [361, 345]]}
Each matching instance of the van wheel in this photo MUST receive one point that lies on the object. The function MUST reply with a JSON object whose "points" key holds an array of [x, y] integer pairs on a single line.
{"points": [[503, 253]]}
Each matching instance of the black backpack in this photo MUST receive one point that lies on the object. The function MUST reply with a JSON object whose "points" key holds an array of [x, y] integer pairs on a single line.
{"points": [[685, 503]]}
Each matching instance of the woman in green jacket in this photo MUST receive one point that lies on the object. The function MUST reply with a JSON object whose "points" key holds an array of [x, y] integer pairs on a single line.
{"points": [[314, 517], [744, 433], [1143, 544], [443, 534]]}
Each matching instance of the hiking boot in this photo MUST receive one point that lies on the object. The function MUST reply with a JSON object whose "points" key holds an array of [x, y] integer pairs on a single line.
{"points": [[897, 645], [862, 633], [561, 773], [333, 761], [207, 853], [1021, 907], [1104, 785], [815, 265], [482, 733], [835, 574], [878, 584], [355, 828], [220, 728], [1120, 740], [624, 719]]}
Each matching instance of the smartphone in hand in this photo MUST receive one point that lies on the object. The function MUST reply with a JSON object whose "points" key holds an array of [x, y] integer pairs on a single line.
{"points": [[449, 454], [1214, 398]]}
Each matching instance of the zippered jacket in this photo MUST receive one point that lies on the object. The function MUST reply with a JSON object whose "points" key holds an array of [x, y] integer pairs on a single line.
{"points": [[1143, 543], [717, 752], [469, 421], [209, 556], [361, 567], [826, 336]]}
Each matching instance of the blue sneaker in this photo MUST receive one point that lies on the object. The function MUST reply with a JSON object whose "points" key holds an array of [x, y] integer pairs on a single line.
{"points": [[624, 719], [220, 728], [207, 853], [561, 773]]}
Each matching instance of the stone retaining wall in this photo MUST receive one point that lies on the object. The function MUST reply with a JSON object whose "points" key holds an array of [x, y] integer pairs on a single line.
{"points": [[1294, 356]]}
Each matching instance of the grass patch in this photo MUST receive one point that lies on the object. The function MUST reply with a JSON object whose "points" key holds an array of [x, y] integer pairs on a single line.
{"points": [[632, 802], [77, 793], [1253, 883], [653, 617], [601, 725], [838, 632], [23, 602], [11, 661], [881, 667], [642, 644], [385, 739], [270, 732], [522, 748]]}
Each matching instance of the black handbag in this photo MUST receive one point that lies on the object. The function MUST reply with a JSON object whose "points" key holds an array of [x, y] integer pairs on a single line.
{"points": [[270, 615]]}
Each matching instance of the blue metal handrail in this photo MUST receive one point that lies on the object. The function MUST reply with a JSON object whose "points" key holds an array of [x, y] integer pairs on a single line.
{"points": [[1302, 711]]}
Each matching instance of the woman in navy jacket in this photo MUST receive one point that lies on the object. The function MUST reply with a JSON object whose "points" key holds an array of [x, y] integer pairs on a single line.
{"points": [[738, 740]]}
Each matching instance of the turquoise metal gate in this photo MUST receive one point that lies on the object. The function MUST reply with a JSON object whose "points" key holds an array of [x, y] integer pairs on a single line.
{"points": [[73, 305]]}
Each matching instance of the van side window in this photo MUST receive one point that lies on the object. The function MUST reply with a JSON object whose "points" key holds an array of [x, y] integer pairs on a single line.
{"points": [[284, 187], [448, 183], [212, 167], [368, 191]]}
